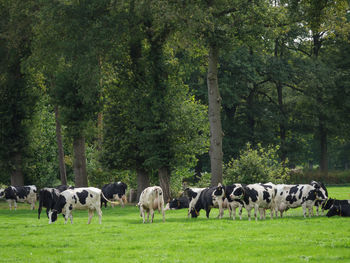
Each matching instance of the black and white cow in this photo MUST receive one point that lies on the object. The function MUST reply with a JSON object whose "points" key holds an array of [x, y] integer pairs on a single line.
{"points": [[151, 199], [178, 203], [209, 198], [319, 203], [78, 198], [339, 210], [193, 196], [23, 194], [115, 192], [49, 196], [334, 202], [293, 196], [257, 196]]}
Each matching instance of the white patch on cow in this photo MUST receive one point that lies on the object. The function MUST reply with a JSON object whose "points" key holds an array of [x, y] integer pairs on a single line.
{"points": [[193, 201]]}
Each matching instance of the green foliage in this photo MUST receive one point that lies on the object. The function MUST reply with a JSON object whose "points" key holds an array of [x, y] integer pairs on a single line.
{"points": [[258, 165]]}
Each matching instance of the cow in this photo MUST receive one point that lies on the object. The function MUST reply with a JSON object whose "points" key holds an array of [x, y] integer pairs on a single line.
{"points": [[232, 204], [78, 198], [319, 203], [151, 199], [114, 191], [23, 194], [334, 202], [193, 196], [178, 203], [257, 196], [209, 198], [340, 210], [293, 196], [48, 197]]}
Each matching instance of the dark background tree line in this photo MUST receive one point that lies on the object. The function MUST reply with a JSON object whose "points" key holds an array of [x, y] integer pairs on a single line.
{"points": [[150, 91]]}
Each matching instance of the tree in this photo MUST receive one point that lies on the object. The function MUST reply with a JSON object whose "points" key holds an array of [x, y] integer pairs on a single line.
{"points": [[17, 97]]}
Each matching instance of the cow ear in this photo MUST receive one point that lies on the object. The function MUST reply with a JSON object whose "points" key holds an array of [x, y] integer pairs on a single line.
{"points": [[219, 185]]}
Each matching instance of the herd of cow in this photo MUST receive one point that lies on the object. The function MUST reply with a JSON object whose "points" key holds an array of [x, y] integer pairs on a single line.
{"points": [[274, 197]]}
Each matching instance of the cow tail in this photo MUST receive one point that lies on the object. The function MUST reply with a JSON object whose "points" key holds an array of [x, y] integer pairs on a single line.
{"points": [[158, 195], [112, 202]]}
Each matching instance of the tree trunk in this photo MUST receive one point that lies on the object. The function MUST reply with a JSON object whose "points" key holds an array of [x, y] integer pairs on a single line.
{"points": [[17, 178], [79, 164], [282, 125], [164, 179], [99, 130], [142, 181], [323, 147], [215, 151], [63, 174]]}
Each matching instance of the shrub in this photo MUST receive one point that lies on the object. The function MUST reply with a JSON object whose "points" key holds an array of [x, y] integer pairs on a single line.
{"points": [[256, 165]]}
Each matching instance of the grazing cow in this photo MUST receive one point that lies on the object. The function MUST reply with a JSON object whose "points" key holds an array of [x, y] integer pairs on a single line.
{"points": [[319, 203], [77, 198], [293, 196], [340, 210], [209, 198], [334, 202], [114, 191], [193, 196], [178, 203], [257, 196], [151, 199], [14, 194], [231, 203], [49, 196]]}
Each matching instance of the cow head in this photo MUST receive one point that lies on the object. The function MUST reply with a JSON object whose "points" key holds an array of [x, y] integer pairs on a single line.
{"points": [[328, 204], [321, 190], [237, 192], [174, 204], [335, 210], [194, 212], [218, 193]]}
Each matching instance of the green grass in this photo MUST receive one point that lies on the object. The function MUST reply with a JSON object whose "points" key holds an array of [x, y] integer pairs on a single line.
{"points": [[123, 238]]}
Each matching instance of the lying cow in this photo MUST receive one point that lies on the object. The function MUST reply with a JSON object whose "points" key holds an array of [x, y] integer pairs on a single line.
{"points": [[178, 203], [257, 196], [77, 198], [193, 196], [49, 196], [209, 198], [293, 196], [339, 210], [334, 202], [319, 203], [115, 192], [151, 199], [23, 194]]}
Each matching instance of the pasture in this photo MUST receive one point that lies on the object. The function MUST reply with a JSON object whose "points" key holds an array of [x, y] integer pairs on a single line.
{"points": [[123, 238]]}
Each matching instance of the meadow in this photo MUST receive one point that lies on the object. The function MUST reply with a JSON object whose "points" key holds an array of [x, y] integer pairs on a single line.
{"points": [[123, 238]]}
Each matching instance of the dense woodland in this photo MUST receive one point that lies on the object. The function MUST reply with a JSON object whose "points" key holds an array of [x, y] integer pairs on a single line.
{"points": [[151, 91]]}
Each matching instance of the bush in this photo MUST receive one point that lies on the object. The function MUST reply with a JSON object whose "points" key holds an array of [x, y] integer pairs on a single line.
{"points": [[256, 165]]}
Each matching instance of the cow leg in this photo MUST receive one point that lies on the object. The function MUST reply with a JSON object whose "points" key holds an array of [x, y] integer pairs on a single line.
{"points": [[311, 211], [142, 213], [240, 212], [271, 212], [71, 218], [15, 204], [152, 215], [256, 208], [163, 213], [233, 213], [91, 214], [99, 212], [304, 210], [148, 216], [207, 212], [249, 211]]}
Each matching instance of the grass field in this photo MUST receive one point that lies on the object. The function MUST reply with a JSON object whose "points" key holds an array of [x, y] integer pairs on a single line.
{"points": [[123, 238]]}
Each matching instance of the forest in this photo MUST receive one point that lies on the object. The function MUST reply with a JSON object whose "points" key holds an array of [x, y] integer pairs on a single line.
{"points": [[160, 92]]}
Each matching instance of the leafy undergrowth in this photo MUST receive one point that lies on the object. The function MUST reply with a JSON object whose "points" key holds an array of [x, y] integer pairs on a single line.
{"points": [[123, 238]]}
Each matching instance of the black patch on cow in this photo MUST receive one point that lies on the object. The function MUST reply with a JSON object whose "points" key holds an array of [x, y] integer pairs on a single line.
{"points": [[61, 202], [109, 190], [91, 195], [47, 198], [266, 196], [178, 203], [291, 199], [238, 191], [301, 192], [82, 196], [75, 199], [281, 193], [294, 190], [312, 195], [70, 207], [250, 193]]}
